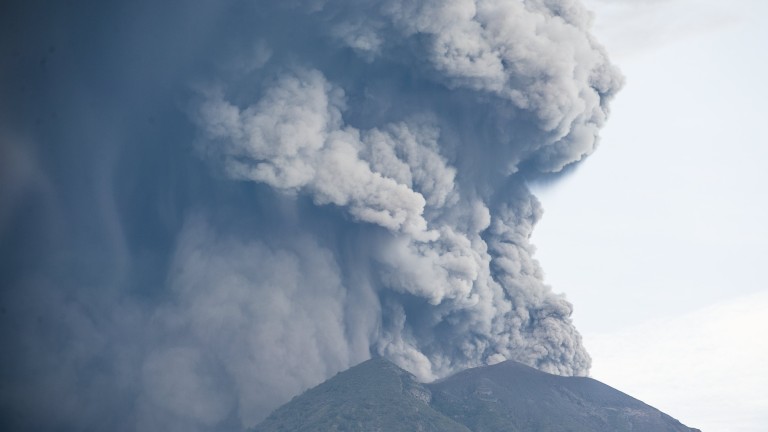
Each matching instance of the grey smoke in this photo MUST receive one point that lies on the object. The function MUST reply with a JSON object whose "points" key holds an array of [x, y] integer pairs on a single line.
{"points": [[206, 210]]}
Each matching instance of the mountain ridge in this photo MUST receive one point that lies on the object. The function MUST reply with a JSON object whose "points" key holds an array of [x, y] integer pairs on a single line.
{"points": [[377, 395]]}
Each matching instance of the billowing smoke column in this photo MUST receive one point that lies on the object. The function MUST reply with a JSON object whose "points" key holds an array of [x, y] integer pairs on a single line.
{"points": [[206, 210]]}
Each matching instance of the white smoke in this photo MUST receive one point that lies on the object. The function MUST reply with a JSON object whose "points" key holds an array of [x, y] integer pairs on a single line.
{"points": [[348, 179], [536, 54], [467, 273], [294, 139]]}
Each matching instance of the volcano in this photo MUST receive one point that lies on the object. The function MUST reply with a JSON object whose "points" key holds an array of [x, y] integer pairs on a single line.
{"points": [[377, 395]]}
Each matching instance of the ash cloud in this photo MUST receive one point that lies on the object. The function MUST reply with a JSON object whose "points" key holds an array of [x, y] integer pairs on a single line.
{"points": [[207, 210]]}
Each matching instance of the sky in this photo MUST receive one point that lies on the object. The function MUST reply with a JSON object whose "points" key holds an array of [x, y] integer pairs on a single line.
{"points": [[659, 237]]}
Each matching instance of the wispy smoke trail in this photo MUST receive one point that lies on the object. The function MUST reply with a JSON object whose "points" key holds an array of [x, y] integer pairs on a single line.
{"points": [[208, 210]]}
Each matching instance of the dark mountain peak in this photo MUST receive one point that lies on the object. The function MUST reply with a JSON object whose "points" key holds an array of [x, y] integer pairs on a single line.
{"points": [[377, 395], [510, 396], [508, 367]]}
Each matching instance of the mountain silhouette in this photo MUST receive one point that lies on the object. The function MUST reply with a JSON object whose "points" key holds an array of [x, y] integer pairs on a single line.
{"points": [[376, 395]]}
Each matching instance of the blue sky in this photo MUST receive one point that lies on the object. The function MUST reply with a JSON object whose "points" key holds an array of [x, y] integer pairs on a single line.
{"points": [[659, 238]]}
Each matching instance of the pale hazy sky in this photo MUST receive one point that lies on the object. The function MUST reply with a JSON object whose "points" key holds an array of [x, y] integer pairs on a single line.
{"points": [[659, 239]]}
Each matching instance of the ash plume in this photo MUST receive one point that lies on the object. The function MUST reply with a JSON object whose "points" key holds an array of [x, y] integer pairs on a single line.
{"points": [[206, 210]]}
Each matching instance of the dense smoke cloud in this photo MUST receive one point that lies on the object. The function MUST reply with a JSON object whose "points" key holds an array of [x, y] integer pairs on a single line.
{"points": [[206, 210]]}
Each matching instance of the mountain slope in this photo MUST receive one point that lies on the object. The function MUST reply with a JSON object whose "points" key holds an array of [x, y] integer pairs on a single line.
{"points": [[375, 395], [513, 397]]}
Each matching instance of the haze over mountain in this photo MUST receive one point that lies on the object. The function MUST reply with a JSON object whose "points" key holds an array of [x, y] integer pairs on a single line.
{"points": [[376, 395]]}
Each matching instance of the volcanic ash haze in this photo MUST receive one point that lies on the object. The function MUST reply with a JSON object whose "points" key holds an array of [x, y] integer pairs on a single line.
{"points": [[207, 209]]}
